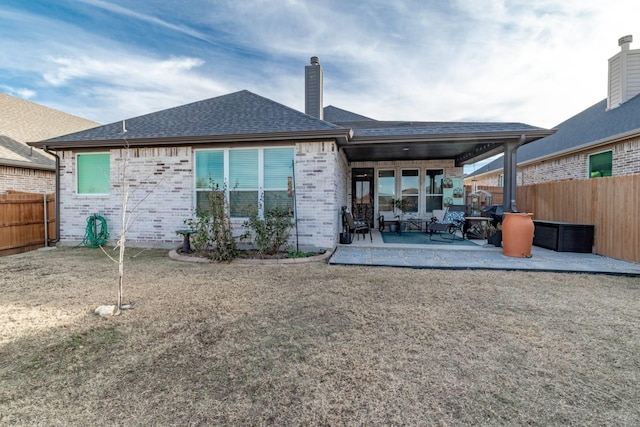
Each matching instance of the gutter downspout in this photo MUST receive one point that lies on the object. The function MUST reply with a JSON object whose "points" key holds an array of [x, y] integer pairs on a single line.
{"points": [[57, 195]]}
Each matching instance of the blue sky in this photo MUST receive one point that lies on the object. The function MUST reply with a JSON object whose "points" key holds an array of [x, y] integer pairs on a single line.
{"points": [[537, 62]]}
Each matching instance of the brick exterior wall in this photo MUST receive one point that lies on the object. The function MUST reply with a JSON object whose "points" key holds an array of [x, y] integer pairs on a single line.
{"points": [[165, 177], [27, 180], [626, 161], [321, 172]]}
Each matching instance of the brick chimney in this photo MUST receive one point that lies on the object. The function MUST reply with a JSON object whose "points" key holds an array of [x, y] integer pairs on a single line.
{"points": [[624, 74], [313, 89]]}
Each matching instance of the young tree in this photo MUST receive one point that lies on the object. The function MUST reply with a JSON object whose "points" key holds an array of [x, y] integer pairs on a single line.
{"points": [[128, 215]]}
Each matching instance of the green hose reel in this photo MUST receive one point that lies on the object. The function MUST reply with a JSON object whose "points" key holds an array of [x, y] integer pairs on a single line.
{"points": [[96, 234]]}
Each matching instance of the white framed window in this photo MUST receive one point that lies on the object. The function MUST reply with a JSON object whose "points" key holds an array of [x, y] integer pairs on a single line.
{"points": [[254, 177], [243, 182], [433, 189], [386, 189], [410, 189], [93, 173]]}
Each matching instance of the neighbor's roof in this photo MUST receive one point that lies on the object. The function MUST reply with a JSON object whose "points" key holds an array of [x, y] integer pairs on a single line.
{"points": [[594, 126], [239, 116], [22, 121]]}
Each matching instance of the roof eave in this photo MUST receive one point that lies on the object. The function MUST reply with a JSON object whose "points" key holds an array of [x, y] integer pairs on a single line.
{"points": [[341, 135], [575, 149], [530, 135], [26, 165], [586, 146]]}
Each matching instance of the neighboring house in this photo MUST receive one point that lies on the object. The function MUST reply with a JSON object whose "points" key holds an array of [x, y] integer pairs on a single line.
{"points": [[603, 140], [267, 154], [24, 168]]}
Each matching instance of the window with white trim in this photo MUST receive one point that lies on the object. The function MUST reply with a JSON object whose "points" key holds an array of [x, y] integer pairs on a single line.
{"points": [[433, 189], [410, 188], [93, 173], [386, 189], [254, 177]]}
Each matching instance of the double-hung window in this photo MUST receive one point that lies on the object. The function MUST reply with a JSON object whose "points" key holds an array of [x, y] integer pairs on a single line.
{"points": [[209, 174], [254, 178], [278, 179], [243, 182], [93, 173]]}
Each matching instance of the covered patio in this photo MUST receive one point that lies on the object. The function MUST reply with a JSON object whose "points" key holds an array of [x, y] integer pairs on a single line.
{"points": [[387, 144], [452, 256]]}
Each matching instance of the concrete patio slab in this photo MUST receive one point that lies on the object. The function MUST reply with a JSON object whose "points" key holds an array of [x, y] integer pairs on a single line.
{"points": [[464, 257]]}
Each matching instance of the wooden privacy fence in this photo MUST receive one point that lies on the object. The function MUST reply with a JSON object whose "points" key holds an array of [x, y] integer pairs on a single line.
{"points": [[611, 204], [483, 202], [22, 221]]}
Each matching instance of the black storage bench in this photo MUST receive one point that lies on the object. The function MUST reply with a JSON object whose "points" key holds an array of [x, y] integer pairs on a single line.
{"points": [[563, 236]]}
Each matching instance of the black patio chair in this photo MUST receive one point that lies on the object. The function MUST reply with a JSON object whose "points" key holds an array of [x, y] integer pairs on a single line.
{"points": [[452, 222], [358, 226]]}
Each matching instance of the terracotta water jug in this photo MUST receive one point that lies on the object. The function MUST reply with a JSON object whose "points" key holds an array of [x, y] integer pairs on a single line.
{"points": [[517, 234]]}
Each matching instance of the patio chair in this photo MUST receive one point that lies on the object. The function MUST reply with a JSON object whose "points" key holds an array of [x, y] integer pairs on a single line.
{"points": [[452, 222], [357, 226]]}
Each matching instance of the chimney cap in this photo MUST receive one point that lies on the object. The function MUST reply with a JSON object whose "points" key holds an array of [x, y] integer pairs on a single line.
{"points": [[622, 41], [315, 60]]}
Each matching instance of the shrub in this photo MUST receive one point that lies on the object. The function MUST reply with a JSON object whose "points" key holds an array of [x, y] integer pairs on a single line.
{"points": [[271, 233], [212, 226]]}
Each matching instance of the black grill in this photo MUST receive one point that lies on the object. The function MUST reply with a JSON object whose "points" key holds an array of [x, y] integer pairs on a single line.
{"points": [[495, 212]]}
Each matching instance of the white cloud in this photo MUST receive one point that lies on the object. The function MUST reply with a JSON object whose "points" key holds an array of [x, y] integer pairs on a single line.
{"points": [[112, 7], [122, 71], [19, 92], [130, 86], [537, 62]]}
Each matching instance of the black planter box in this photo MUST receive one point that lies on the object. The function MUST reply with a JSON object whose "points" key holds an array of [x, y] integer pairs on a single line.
{"points": [[346, 238], [563, 236], [496, 239]]}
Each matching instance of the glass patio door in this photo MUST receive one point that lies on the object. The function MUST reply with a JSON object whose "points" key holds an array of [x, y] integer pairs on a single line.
{"points": [[362, 193]]}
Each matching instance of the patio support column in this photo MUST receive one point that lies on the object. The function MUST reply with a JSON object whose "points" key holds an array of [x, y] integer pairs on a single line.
{"points": [[510, 173]]}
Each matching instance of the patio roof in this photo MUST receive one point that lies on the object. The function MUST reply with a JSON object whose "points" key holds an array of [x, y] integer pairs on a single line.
{"points": [[466, 142]]}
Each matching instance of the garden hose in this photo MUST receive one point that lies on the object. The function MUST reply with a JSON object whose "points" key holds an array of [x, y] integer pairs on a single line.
{"points": [[96, 232]]}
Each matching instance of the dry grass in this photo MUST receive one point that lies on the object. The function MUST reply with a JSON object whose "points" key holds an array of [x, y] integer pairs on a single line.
{"points": [[312, 344]]}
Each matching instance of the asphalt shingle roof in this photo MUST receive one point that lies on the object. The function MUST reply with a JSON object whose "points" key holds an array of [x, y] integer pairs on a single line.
{"points": [[396, 128], [23, 121], [338, 115], [237, 113], [592, 125]]}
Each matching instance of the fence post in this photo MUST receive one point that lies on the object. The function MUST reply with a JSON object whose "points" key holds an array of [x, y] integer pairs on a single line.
{"points": [[46, 223]]}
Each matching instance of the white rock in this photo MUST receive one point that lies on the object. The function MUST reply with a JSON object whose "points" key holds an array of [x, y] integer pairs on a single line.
{"points": [[105, 310]]}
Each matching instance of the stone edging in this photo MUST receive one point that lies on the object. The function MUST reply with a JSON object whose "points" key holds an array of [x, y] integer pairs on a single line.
{"points": [[174, 255]]}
